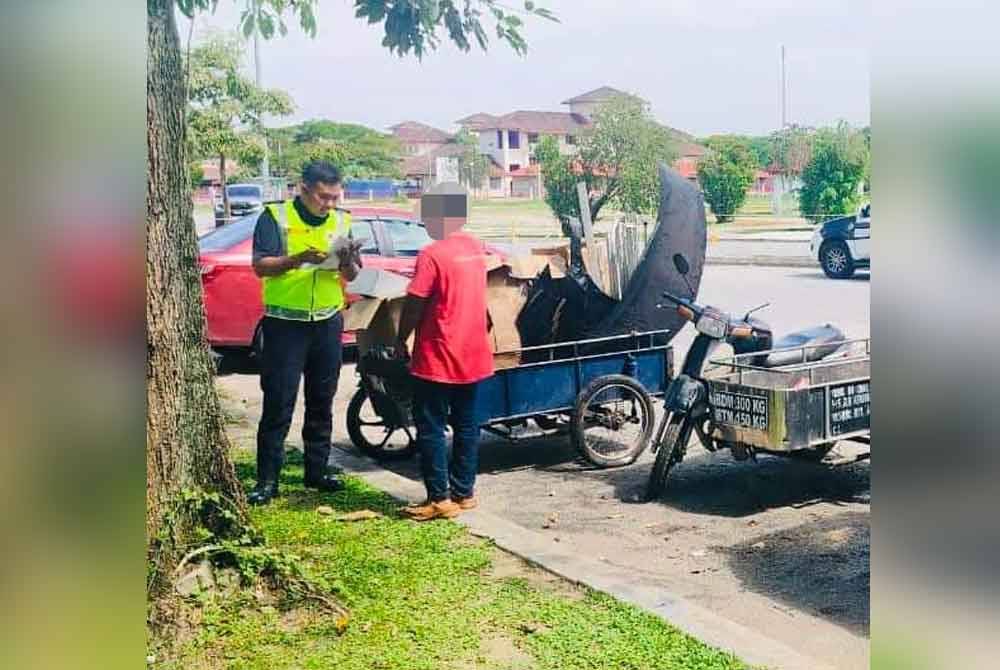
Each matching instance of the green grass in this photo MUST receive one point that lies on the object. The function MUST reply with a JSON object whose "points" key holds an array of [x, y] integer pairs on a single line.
{"points": [[422, 597]]}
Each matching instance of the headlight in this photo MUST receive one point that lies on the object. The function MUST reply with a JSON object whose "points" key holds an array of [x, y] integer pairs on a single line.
{"points": [[711, 326]]}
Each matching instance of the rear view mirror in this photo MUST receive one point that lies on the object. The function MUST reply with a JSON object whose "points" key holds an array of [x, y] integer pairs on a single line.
{"points": [[681, 264]]}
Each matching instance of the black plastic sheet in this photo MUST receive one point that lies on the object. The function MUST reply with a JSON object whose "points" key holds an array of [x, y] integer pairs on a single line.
{"points": [[575, 308]]}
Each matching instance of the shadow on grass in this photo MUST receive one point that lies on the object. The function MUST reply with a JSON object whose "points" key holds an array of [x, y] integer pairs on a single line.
{"points": [[354, 497]]}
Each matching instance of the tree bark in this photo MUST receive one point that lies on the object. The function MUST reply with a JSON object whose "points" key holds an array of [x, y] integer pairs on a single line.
{"points": [[225, 193], [186, 444]]}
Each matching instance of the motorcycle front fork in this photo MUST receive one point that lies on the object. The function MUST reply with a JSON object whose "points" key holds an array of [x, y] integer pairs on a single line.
{"points": [[698, 415]]}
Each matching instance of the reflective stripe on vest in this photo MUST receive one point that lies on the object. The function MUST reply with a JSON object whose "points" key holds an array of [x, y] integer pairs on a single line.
{"points": [[305, 294]]}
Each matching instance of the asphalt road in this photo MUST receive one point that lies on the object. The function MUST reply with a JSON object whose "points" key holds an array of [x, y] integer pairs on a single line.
{"points": [[779, 546]]}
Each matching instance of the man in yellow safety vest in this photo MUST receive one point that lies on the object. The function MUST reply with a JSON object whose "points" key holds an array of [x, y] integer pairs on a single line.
{"points": [[302, 326]]}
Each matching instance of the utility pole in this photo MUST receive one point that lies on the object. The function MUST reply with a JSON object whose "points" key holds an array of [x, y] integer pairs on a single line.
{"points": [[778, 192], [784, 91], [265, 168]]}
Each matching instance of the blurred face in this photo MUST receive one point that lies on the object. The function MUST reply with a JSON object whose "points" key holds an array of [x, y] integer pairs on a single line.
{"points": [[320, 198]]}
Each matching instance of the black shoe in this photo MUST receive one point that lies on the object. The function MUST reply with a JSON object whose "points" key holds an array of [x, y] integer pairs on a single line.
{"points": [[268, 467], [316, 457], [263, 493], [325, 483]]}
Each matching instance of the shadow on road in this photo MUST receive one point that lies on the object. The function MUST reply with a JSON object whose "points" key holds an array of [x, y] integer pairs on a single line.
{"points": [[821, 567], [860, 275], [496, 456], [715, 484]]}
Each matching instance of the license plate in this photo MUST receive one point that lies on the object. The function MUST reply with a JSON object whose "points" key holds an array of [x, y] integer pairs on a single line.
{"points": [[738, 409], [850, 407]]}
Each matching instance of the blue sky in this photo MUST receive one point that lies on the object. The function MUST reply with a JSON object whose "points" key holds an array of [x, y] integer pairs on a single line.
{"points": [[705, 66]]}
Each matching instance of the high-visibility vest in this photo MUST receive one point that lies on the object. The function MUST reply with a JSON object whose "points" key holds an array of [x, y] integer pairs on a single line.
{"points": [[305, 294]]}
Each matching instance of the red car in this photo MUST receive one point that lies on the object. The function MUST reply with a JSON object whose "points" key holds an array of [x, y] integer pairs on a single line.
{"points": [[233, 305]]}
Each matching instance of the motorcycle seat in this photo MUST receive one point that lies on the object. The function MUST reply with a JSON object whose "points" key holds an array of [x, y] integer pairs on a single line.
{"points": [[824, 340]]}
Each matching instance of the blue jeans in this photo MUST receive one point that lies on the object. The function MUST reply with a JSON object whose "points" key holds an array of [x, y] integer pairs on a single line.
{"points": [[435, 406]]}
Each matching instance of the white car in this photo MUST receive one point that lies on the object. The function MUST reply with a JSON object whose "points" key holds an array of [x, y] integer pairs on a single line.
{"points": [[843, 245]]}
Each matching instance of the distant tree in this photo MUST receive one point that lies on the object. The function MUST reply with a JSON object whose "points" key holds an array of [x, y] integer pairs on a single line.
{"points": [[790, 150], [763, 150], [225, 107], [197, 174], [616, 161], [359, 151], [473, 165], [725, 174], [836, 169]]}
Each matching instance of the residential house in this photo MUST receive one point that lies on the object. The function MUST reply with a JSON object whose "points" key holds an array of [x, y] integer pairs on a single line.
{"points": [[418, 139], [510, 140], [689, 154], [421, 170], [211, 182]]}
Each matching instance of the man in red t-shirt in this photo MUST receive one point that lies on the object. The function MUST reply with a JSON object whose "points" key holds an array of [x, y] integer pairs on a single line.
{"points": [[446, 306]]}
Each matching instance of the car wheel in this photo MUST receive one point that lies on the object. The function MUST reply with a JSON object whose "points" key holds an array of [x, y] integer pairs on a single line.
{"points": [[836, 260]]}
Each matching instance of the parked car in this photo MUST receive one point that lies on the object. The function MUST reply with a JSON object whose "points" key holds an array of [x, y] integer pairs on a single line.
{"points": [[244, 199], [843, 245], [232, 292]]}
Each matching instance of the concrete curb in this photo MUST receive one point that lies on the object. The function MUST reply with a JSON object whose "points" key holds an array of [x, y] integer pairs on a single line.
{"points": [[767, 261], [540, 550]]}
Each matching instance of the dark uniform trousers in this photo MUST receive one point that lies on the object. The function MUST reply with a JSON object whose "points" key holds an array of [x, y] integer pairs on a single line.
{"points": [[291, 350]]}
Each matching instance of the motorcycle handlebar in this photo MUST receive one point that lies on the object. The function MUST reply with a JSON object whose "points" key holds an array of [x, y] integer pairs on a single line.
{"points": [[674, 299]]}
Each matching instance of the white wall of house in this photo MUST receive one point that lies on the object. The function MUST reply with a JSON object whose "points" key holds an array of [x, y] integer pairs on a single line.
{"points": [[502, 187], [584, 108], [419, 148], [522, 155]]}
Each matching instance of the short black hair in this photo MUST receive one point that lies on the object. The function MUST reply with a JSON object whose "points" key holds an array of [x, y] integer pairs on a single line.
{"points": [[315, 172]]}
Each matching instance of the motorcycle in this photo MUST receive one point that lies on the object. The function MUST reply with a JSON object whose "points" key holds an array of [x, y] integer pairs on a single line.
{"points": [[691, 399]]}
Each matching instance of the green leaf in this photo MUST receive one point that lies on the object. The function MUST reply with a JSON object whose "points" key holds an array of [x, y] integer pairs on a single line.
{"points": [[266, 25], [249, 21], [546, 14], [529, 6]]}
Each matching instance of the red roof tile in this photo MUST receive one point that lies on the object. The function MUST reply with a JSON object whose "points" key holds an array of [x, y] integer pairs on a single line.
{"points": [[525, 171], [597, 95], [690, 150], [543, 122], [413, 131], [477, 121]]}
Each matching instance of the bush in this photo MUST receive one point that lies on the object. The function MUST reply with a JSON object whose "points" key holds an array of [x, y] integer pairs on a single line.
{"points": [[831, 179], [725, 174]]}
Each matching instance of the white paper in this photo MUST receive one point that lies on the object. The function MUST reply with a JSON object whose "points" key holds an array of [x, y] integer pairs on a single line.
{"points": [[332, 261]]}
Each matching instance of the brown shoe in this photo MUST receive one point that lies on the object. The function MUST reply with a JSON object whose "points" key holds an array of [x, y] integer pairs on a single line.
{"points": [[472, 502], [443, 509]]}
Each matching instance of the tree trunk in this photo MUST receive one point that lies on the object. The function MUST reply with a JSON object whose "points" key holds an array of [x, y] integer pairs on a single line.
{"points": [[225, 193], [186, 445]]}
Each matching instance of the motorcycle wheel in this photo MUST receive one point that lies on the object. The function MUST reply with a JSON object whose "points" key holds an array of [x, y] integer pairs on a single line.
{"points": [[373, 435], [670, 452]]}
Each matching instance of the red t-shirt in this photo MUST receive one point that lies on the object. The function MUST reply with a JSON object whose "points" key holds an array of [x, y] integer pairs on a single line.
{"points": [[452, 343]]}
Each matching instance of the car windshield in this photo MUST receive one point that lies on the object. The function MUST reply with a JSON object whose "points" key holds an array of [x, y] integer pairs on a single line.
{"points": [[408, 237], [228, 236], [243, 191], [362, 230], [240, 230]]}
